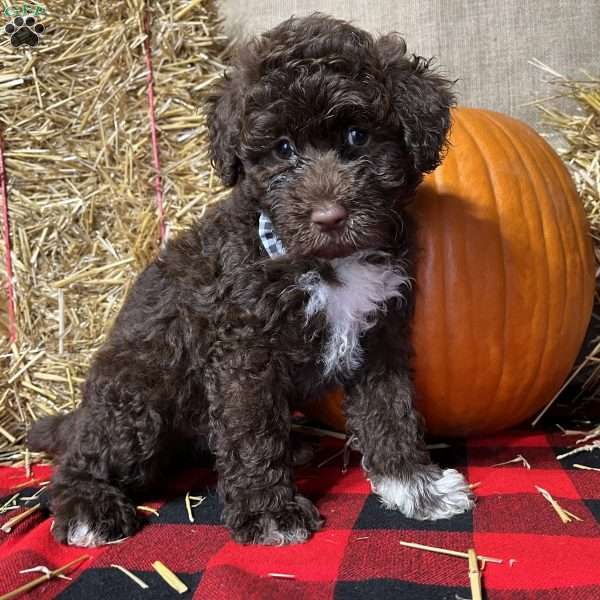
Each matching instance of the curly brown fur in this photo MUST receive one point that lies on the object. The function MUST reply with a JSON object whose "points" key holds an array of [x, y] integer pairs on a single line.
{"points": [[217, 339]]}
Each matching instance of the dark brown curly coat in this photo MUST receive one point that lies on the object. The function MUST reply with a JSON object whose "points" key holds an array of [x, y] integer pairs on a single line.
{"points": [[328, 132]]}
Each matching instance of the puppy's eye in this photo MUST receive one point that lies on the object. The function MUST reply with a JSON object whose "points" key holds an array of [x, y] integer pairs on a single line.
{"points": [[356, 136], [284, 148]]}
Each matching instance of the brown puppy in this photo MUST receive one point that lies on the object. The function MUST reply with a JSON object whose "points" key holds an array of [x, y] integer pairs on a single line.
{"points": [[300, 280]]}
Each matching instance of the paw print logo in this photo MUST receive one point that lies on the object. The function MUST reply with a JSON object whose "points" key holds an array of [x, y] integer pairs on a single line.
{"points": [[24, 31]]}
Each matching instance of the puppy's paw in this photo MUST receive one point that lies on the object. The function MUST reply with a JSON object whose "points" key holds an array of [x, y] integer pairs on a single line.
{"points": [[425, 495], [80, 521], [291, 525]]}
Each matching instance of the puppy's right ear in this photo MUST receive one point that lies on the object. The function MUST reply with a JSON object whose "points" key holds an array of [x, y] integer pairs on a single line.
{"points": [[224, 124], [421, 99]]}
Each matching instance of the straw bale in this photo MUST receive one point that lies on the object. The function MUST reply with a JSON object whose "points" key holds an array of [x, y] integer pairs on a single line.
{"points": [[74, 114], [579, 129]]}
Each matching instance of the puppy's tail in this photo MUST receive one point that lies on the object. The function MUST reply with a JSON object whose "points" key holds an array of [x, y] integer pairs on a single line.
{"points": [[51, 434]]}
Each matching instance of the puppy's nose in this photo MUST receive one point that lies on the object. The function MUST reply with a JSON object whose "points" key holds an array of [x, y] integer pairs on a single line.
{"points": [[332, 216]]}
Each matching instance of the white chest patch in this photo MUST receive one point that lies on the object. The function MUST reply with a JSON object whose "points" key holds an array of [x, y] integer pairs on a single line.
{"points": [[351, 306]]}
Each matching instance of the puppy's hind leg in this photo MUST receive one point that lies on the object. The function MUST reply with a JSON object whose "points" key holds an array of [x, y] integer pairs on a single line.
{"points": [[113, 453], [90, 512]]}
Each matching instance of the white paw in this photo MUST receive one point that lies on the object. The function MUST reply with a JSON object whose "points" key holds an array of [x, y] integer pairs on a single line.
{"points": [[81, 534], [426, 495], [282, 537]]}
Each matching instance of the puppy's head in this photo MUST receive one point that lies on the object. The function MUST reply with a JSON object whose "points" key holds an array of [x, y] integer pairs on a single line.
{"points": [[328, 131]]}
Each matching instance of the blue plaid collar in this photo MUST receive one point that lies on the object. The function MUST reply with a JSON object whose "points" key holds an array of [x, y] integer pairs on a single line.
{"points": [[271, 243]]}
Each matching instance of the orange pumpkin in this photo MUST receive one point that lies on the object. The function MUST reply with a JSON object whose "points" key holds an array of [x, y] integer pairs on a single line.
{"points": [[505, 282]]}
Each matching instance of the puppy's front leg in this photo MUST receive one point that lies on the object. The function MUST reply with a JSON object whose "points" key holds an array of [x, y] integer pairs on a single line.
{"points": [[380, 412], [250, 435]]}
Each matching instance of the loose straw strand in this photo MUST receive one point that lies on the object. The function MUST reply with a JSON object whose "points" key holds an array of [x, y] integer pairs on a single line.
{"points": [[12, 523], [474, 575], [170, 577], [42, 579], [449, 552]]}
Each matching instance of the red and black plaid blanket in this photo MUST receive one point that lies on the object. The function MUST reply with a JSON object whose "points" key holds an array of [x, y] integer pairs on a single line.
{"points": [[357, 554]]}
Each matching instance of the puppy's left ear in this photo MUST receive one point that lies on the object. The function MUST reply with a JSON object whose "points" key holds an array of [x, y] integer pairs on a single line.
{"points": [[224, 124], [421, 101]]}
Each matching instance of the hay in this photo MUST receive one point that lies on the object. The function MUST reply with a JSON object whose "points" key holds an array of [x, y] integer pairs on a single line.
{"points": [[579, 129], [580, 133], [77, 145]]}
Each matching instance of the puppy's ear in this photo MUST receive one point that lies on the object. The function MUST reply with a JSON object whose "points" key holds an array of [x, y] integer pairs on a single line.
{"points": [[224, 123], [421, 101]]}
